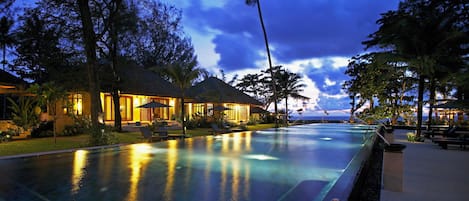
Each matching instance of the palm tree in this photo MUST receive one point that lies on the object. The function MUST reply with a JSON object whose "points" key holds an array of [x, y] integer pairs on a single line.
{"points": [[290, 86], [423, 34], [183, 76], [259, 11], [6, 38]]}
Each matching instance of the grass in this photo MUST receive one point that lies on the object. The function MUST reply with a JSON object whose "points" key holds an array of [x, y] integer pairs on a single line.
{"points": [[35, 145]]}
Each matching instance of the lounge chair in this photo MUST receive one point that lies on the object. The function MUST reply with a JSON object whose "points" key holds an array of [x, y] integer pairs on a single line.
{"points": [[444, 132], [444, 142], [148, 135], [217, 130]]}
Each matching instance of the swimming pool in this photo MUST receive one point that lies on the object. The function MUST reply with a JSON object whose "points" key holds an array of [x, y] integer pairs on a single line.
{"points": [[295, 163]]}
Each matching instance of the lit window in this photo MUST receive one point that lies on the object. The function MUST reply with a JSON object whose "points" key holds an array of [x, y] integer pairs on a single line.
{"points": [[76, 104]]}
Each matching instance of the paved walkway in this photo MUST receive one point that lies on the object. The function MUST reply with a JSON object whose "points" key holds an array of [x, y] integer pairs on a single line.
{"points": [[431, 173]]}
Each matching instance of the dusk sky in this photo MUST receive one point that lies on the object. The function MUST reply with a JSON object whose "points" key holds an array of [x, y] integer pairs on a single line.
{"points": [[313, 38]]}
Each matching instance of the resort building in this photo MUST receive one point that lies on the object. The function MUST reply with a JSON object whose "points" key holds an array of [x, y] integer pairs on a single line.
{"points": [[212, 99]]}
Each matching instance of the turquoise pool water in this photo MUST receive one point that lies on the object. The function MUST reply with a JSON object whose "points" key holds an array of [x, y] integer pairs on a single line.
{"points": [[294, 163]]}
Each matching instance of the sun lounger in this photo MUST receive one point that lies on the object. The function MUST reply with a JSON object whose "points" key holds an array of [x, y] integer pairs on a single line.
{"points": [[444, 142], [442, 131]]}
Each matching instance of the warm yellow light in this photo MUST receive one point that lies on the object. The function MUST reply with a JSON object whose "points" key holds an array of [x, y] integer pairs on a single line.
{"points": [[172, 157], [171, 102], [139, 158], [79, 163], [79, 107]]}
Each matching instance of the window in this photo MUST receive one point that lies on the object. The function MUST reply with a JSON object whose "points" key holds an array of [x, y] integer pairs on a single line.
{"points": [[125, 108], [161, 113], [76, 104], [199, 109]]}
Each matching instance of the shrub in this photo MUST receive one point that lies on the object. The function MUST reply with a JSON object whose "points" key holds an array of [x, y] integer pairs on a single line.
{"points": [[44, 129], [411, 137]]}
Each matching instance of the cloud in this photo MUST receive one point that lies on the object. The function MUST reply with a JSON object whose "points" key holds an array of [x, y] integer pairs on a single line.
{"points": [[313, 38], [298, 30]]}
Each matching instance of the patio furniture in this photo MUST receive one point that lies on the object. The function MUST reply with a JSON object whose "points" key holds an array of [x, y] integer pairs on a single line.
{"points": [[217, 130], [176, 136], [443, 131], [161, 132], [148, 135], [444, 142]]}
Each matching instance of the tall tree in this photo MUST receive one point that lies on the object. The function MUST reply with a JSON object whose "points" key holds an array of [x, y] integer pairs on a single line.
{"points": [[422, 33], [266, 41], [290, 85], [89, 37], [38, 49], [160, 40], [120, 18], [183, 76], [6, 37]]}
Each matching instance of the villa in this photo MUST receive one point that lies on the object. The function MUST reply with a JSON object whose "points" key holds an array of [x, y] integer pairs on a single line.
{"points": [[140, 86]]}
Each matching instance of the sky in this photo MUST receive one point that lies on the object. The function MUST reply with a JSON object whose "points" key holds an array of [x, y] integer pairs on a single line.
{"points": [[314, 38]]}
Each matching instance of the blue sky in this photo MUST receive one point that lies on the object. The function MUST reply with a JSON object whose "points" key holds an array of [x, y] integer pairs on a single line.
{"points": [[313, 38]]}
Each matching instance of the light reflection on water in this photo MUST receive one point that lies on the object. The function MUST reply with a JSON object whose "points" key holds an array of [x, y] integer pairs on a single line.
{"points": [[79, 164], [172, 157], [239, 166], [139, 158]]}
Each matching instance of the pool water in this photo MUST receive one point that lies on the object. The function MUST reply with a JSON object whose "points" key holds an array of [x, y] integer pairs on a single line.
{"points": [[294, 163]]}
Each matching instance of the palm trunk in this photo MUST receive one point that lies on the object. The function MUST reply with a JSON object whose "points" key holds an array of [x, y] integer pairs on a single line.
{"points": [[421, 89], [4, 56], [432, 102], [183, 116], [274, 88], [286, 111]]}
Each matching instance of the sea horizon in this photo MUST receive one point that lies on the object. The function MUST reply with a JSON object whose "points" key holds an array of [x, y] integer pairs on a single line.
{"points": [[322, 118]]}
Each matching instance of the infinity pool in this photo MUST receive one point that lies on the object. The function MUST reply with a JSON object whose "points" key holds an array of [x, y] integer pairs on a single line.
{"points": [[295, 163]]}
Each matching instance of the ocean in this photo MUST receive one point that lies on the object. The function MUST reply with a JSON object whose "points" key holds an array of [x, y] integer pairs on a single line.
{"points": [[320, 118]]}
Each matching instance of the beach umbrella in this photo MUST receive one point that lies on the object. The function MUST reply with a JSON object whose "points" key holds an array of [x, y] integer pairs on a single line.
{"points": [[220, 108], [152, 105]]}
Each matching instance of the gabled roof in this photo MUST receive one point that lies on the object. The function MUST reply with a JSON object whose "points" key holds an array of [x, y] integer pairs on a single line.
{"points": [[215, 90], [8, 79], [10, 84], [139, 81]]}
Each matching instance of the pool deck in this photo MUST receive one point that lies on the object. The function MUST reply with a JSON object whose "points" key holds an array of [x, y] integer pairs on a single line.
{"points": [[431, 173]]}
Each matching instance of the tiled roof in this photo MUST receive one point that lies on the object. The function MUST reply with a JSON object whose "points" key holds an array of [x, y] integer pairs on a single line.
{"points": [[139, 81], [215, 90]]}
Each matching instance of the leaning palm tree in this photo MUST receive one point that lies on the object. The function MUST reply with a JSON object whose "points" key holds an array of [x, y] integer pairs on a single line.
{"points": [[259, 11], [6, 38], [183, 76]]}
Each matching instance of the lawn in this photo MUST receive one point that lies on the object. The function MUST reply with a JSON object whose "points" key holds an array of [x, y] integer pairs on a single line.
{"points": [[35, 145]]}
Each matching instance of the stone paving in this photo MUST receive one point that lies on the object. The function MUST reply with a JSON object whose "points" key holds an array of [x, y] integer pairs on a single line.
{"points": [[431, 173]]}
